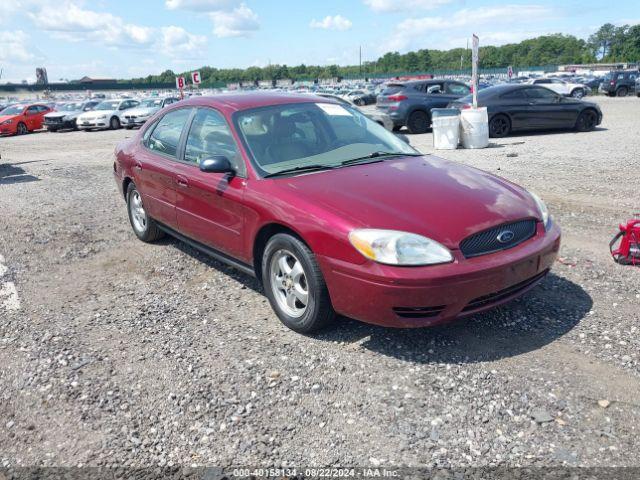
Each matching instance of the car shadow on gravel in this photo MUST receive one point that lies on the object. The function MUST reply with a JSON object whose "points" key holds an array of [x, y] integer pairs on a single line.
{"points": [[561, 131], [536, 319]]}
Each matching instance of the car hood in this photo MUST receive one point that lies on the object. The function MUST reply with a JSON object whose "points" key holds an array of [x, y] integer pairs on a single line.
{"points": [[97, 113], [140, 112], [426, 195], [62, 114]]}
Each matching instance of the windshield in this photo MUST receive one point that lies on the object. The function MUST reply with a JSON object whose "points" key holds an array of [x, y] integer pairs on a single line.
{"points": [[108, 106], [282, 137], [608, 76], [151, 103], [13, 110], [70, 107]]}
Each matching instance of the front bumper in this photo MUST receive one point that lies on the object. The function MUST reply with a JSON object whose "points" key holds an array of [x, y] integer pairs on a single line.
{"points": [[93, 124], [10, 129], [431, 295], [59, 125]]}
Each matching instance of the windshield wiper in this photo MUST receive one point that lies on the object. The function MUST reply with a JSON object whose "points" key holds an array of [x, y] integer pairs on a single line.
{"points": [[377, 155], [302, 168]]}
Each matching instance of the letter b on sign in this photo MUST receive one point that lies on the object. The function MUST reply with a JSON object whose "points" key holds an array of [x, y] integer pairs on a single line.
{"points": [[179, 83]]}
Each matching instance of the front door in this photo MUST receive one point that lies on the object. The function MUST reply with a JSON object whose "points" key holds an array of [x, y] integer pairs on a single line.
{"points": [[545, 108], [209, 206]]}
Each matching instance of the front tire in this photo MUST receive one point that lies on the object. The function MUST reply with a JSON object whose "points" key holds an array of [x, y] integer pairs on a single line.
{"points": [[294, 285], [586, 121], [418, 122], [622, 92], [114, 123], [21, 129], [499, 126], [145, 228]]}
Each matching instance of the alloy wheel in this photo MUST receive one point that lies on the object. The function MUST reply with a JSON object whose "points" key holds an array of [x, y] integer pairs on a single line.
{"points": [[289, 283], [138, 214], [499, 126]]}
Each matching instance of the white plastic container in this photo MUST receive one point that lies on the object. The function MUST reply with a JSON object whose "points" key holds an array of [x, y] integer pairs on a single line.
{"points": [[474, 128], [446, 128]]}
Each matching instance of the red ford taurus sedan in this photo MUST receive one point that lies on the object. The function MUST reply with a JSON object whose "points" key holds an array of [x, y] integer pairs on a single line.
{"points": [[333, 213]]}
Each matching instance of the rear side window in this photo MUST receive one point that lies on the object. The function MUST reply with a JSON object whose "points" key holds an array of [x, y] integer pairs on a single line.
{"points": [[210, 135], [166, 135], [541, 94], [457, 89]]}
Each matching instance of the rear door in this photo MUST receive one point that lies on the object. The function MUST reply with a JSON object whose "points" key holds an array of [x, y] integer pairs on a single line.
{"points": [[516, 105], [154, 167], [209, 206]]}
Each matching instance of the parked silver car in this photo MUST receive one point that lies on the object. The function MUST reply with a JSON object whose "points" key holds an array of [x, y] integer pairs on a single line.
{"points": [[136, 117]]}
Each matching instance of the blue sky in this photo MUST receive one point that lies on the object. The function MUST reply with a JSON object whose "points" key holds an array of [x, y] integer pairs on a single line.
{"points": [[125, 38]]}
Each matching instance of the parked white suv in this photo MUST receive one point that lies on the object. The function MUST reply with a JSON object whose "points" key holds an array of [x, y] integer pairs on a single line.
{"points": [[562, 87], [105, 115]]}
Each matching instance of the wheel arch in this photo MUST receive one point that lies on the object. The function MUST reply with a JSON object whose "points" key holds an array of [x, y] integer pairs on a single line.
{"points": [[261, 239]]}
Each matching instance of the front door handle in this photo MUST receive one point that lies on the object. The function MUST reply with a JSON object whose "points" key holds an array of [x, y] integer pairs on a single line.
{"points": [[182, 181], [138, 166]]}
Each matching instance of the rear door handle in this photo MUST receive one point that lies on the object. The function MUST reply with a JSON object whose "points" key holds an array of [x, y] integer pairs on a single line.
{"points": [[182, 181]]}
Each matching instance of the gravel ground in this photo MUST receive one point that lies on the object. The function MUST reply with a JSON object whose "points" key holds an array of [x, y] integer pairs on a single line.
{"points": [[115, 352]]}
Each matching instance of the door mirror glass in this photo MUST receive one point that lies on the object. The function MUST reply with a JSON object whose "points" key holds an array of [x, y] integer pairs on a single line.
{"points": [[216, 164]]}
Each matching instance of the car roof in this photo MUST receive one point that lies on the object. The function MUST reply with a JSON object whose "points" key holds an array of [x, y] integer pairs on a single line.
{"points": [[235, 102]]}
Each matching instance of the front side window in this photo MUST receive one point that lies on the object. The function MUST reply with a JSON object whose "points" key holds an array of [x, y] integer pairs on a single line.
{"points": [[541, 95], [210, 135], [281, 137], [166, 135]]}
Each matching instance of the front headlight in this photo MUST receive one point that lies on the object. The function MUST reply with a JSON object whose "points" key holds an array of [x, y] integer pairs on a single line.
{"points": [[544, 211], [7, 122], [392, 247]]}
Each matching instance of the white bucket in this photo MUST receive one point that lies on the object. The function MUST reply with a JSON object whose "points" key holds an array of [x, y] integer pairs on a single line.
{"points": [[446, 129], [474, 128]]}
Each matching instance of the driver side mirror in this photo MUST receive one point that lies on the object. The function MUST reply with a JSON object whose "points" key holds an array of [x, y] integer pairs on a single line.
{"points": [[216, 164]]}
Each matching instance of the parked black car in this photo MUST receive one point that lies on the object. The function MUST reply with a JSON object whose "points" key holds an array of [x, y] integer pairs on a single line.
{"points": [[65, 116], [530, 107], [619, 83], [410, 103]]}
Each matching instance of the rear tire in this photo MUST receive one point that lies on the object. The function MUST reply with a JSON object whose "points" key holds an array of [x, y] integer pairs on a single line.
{"points": [[294, 285], [578, 93], [622, 92], [586, 121], [145, 228], [418, 122], [499, 126]]}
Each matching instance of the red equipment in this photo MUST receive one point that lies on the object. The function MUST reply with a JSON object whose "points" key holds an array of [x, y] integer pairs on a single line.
{"points": [[628, 251]]}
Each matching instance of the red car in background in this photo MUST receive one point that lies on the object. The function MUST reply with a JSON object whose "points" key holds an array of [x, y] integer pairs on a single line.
{"points": [[332, 212], [22, 118]]}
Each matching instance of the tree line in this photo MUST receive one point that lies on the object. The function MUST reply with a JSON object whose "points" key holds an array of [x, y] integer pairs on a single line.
{"points": [[608, 44]]}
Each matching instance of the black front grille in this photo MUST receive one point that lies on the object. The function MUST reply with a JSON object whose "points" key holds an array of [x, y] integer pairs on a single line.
{"points": [[418, 312], [495, 297], [496, 238]]}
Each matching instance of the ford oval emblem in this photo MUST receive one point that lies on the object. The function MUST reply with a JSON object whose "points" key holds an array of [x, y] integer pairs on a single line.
{"points": [[506, 236]]}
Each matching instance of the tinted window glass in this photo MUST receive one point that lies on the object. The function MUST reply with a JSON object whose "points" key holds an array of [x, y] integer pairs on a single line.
{"points": [[515, 95], [457, 89], [541, 94], [166, 136], [210, 135]]}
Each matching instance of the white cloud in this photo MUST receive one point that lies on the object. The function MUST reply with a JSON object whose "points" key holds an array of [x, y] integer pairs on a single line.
{"points": [[239, 22], [176, 41], [13, 47], [337, 22], [387, 6], [73, 23], [201, 5], [413, 31]]}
